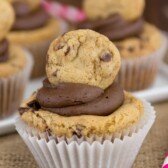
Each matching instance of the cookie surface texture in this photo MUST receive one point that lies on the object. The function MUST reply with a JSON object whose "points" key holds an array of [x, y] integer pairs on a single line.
{"points": [[83, 56]]}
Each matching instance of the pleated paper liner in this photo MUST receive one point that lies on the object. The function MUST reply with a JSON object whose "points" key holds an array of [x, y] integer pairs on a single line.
{"points": [[140, 72], [12, 89], [109, 151]]}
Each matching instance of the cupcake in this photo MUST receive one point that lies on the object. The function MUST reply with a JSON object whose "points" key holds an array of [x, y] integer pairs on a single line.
{"points": [[81, 117], [141, 45], [15, 66], [34, 29]]}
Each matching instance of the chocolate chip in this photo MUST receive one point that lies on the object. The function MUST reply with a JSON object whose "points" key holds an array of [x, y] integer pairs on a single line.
{"points": [[106, 57], [23, 110], [78, 130], [55, 73], [131, 49], [34, 105], [48, 130], [67, 51], [58, 47], [77, 134]]}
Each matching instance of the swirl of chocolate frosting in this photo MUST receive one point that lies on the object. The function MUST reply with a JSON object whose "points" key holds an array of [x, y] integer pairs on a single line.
{"points": [[69, 99], [114, 27], [4, 45], [26, 19], [66, 94]]}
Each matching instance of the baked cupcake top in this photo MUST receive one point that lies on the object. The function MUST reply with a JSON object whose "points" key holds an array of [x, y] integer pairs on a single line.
{"points": [[12, 58], [32, 23], [130, 10], [121, 22], [79, 96], [144, 44], [114, 19]]}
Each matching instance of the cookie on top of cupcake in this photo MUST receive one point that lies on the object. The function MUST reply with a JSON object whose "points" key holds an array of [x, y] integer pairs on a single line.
{"points": [[34, 29], [15, 65], [142, 45]]}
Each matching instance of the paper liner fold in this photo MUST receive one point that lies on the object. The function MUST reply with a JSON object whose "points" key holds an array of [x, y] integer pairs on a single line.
{"points": [[110, 151]]}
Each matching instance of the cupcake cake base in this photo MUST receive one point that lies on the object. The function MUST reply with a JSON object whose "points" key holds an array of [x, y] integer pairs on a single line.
{"points": [[117, 151], [140, 72]]}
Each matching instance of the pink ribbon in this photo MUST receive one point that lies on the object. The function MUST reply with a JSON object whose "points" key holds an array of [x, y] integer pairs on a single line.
{"points": [[64, 11], [165, 164]]}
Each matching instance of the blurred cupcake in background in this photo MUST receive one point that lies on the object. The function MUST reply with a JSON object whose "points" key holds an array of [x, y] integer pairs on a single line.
{"points": [[34, 29], [15, 65], [159, 18], [81, 117], [142, 45]]}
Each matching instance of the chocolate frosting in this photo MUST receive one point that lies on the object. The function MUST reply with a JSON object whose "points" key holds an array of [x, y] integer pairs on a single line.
{"points": [[69, 99], [75, 3], [21, 8], [66, 94], [27, 19], [4, 45], [114, 27]]}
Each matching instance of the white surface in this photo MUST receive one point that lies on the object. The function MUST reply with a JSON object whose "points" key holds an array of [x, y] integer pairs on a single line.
{"points": [[7, 125], [159, 90]]}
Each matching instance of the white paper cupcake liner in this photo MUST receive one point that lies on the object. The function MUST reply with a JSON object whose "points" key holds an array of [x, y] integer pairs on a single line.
{"points": [[12, 89], [118, 150], [140, 72]]}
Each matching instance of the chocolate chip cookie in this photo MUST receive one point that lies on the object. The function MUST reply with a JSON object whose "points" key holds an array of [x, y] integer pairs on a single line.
{"points": [[83, 56]]}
